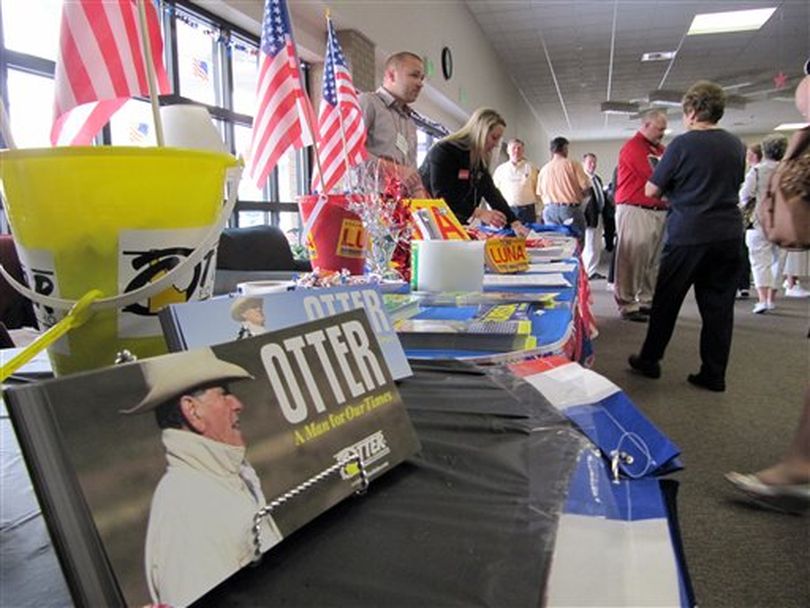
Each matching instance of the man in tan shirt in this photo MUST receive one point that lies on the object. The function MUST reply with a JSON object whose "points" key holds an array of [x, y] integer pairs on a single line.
{"points": [[563, 184], [390, 128], [517, 181]]}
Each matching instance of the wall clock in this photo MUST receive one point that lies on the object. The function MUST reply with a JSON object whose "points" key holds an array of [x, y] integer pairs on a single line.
{"points": [[447, 63]]}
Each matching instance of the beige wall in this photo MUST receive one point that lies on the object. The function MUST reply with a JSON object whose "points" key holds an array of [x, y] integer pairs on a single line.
{"points": [[478, 78], [607, 155]]}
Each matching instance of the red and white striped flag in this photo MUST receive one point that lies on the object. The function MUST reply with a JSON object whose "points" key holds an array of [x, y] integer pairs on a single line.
{"points": [[101, 63], [341, 131], [284, 116]]}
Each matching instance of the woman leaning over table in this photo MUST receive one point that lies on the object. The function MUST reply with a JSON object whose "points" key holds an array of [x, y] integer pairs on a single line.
{"points": [[457, 170], [700, 173]]}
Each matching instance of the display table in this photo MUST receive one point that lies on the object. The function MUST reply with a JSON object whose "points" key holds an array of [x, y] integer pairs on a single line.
{"points": [[500, 508], [566, 329], [537, 484]]}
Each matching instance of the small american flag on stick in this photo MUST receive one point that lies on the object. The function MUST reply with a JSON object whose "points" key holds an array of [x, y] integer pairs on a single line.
{"points": [[101, 63], [284, 117], [341, 131]]}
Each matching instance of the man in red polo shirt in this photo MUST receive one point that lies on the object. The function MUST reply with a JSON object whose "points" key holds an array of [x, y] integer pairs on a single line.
{"points": [[639, 220]]}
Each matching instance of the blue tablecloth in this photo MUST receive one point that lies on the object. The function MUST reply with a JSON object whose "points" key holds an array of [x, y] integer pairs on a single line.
{"points": [[550, 326]]}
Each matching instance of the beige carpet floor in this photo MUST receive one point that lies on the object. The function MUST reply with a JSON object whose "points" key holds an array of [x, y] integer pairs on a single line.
{"points": [[738, 555]]}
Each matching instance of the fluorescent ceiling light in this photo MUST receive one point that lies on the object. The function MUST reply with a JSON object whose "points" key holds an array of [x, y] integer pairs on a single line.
{"points": [[618, 107], [660, 56], [664, 98], [729, 21], [792, 126], [739, 85]]}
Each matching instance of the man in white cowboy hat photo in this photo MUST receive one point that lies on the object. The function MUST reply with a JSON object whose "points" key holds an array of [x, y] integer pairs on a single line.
{"points": [[201, 518], [250, 314]]}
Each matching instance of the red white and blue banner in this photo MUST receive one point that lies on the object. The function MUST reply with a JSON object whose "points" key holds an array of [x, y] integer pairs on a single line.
{"points": [[617, 541], [604, 413]]}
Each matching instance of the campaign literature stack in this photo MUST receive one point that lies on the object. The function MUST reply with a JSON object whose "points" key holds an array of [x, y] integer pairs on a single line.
{"points": [[227, 318], [474, 335], [161, 478], [400, 306], [471, 298]]}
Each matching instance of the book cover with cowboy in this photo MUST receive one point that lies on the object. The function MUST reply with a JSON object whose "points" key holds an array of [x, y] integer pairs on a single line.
{"points": [[226, 318], [161, 478]]}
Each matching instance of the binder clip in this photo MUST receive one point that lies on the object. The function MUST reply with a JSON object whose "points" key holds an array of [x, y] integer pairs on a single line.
{"points": [[617, 458], [124, 356]]}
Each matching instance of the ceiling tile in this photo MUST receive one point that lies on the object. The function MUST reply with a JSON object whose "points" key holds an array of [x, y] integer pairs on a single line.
{"points": [[577, 35]]}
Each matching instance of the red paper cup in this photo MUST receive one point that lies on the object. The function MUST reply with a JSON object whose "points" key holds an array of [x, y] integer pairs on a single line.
{"points": [[337, 239]]}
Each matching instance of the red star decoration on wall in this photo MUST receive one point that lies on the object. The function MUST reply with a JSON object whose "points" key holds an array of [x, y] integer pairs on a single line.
{"points": [[780, 80]]}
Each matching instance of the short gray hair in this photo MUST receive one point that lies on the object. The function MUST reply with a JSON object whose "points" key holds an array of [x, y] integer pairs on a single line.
{"points": [[774, 146], [652, 115]]}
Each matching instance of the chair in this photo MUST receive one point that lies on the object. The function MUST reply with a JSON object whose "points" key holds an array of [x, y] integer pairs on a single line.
{"points": [[15, 310], [256, 253], [5, 338]]}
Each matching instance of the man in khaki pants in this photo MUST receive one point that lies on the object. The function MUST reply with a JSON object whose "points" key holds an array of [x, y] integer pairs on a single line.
{"points": [[639, 220]]}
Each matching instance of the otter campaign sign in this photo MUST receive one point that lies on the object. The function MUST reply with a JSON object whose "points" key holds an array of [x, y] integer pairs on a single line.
{"points": [[222, 319], [155, 476]]}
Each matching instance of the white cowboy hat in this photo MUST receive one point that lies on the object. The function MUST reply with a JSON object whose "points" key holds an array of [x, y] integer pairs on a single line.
{"points": [[176, 374], [240, 305]]}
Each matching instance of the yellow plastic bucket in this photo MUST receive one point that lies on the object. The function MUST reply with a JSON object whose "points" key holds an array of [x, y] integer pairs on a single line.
{"points": [[139, 224]]}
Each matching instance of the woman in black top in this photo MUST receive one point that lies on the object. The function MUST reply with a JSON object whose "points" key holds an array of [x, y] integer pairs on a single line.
{"points": [[700, 173], [457, 170]]}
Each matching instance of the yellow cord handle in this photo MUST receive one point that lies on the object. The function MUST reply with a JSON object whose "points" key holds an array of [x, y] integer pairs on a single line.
{"points": [[78, 315]]}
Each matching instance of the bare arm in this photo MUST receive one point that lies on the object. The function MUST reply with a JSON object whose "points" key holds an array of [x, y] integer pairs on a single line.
{"points": [[651, 190]]}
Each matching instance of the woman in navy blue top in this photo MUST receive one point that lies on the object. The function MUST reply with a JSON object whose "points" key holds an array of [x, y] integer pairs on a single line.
{"points": [[700, 174]]}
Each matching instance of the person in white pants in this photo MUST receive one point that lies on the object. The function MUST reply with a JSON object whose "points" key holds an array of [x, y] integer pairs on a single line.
{"points": [[763, 255], [795, 264]]}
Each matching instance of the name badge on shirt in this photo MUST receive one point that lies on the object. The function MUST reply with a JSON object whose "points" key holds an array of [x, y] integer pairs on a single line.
{"points": [[464, 174], [402, 143]]}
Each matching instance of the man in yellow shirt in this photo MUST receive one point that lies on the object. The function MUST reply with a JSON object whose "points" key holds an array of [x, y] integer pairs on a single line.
{"points": [[517, 181]]}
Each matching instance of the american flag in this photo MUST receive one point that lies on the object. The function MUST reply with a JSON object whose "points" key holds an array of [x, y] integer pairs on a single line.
{"points": [[199, 69], [101, 63], [138, 132], [284, 116], [341, 131]]}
